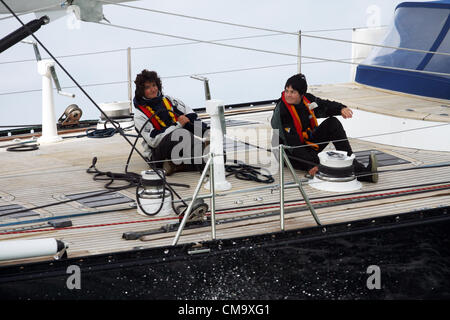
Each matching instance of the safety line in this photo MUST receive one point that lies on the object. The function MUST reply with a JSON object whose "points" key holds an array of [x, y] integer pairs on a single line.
{"points": [[270, 51], [179, 76], [143, 48], [31, 11], [86, 94], [271, 30]]}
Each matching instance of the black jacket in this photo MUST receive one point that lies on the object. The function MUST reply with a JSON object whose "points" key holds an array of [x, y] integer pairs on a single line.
{"points": [[282, 118]]}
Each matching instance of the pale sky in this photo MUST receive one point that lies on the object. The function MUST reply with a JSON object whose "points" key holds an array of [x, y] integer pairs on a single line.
{"points": [[236, 87]]}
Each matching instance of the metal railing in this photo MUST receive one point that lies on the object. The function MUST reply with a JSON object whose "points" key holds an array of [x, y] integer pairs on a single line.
{"points": [[209, 167]]}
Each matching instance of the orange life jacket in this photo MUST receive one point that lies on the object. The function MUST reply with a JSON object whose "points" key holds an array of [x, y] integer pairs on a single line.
{"points": [[303, 134], [156, 121]]}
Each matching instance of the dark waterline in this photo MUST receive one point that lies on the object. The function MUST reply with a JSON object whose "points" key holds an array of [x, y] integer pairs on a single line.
{"points": [[414, 264]]}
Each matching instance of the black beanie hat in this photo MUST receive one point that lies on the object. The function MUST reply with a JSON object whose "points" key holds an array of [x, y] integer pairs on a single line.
{"points": [[297, 82]]}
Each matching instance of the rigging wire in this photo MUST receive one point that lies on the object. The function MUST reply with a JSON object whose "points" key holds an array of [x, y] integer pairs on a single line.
{"points": [[85, 93], [372, 135], [269, 150], [165, 45], [145, 47], [329, 60], [31, 11], [268, 29], [153, 47], [219, 44], [270, 51], [177, 76]]}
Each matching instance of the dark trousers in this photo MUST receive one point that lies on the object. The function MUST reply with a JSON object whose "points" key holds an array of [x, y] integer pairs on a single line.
{"points": [[184, 142], [330, 129]]}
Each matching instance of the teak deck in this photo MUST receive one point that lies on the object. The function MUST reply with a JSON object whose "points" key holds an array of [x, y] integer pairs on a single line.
{"points": [[55, 171]]}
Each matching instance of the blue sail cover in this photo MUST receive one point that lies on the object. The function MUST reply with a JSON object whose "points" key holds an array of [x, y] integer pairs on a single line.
{"points": [[417, 25]]}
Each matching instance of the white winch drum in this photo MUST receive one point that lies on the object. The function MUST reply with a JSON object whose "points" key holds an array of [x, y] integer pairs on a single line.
{"points": [[336, 172], [336, 166], [336, 159], [151, 195], [116, 109]]}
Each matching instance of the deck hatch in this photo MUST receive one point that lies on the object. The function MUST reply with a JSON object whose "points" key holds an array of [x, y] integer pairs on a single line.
{"points": [[101, 200], [15, 207], [384, 159]]}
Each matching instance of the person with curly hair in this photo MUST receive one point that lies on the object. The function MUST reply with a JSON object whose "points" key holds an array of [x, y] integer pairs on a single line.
{"points": [[166, 120]]}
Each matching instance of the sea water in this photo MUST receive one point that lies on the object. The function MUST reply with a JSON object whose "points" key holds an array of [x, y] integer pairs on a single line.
{"points": [[412, 263]]}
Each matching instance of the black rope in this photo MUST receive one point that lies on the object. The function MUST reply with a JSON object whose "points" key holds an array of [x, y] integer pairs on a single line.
{"points": [[163, 196], [134, 179], [23, 147], [130, 177], [83, 91], [101, 133], [133, 147], [243, 171]]}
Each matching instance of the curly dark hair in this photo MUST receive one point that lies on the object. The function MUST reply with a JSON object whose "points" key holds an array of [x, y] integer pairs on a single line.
{"points": [[142, 78]]}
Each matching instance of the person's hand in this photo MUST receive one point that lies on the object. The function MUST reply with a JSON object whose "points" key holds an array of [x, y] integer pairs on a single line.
{"points": [[346, 113], [183, 120], [313, 171]]}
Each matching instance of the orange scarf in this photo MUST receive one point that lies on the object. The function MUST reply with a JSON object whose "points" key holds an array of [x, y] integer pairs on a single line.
{"points": [[298, 124]]}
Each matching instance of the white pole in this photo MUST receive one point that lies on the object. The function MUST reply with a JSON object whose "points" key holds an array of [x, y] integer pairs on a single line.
{"points": [[281, 164], [187, 213], [299, 53], [130, 92], [213, 199], [49, 132], [216, 145]]}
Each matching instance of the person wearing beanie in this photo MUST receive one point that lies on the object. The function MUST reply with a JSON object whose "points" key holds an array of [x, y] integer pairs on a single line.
{"points": [[295, 118], [166, 120]]}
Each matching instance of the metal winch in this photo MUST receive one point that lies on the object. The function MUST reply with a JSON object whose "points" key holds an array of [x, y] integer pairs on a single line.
{"points": [[336, 172], [115, 110], [119, 112], [153, 198], [71, 116], [198, 212], [151, 195]]}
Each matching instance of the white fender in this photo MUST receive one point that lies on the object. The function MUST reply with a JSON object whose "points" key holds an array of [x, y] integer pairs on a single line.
{"points": [[20, 249]]}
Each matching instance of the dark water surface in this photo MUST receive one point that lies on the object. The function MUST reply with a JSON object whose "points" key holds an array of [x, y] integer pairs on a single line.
{"points": [[414, 263]]}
